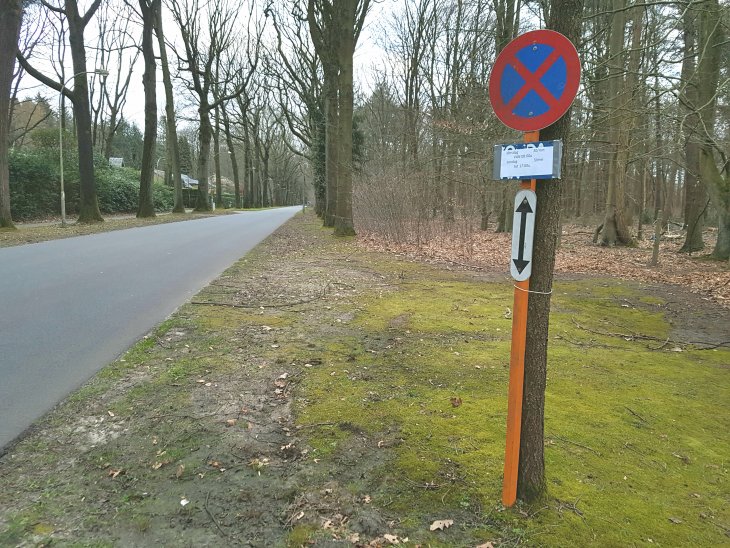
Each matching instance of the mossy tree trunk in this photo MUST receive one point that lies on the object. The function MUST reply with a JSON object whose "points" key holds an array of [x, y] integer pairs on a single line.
{"points": [[344, 225], [335, 27], [711, 42], [565, 17], [695, 193]]}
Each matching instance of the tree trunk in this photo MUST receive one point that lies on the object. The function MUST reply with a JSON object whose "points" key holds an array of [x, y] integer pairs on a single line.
{"points": [[206, 136], [565, 17], [615, 227], [88, 201], [234, 160], [217, 158], [331, 150], [146, 206], [247, 167], [695, 193], [712, 40], [173, 151], [343, 218], [319, 169], [11, 15]]}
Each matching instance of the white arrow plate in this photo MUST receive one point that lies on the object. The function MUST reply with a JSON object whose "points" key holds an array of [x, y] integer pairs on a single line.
{"points": [[523, 232]]}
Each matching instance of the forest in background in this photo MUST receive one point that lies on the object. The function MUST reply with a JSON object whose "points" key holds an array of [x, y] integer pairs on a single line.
{"points": [[649, 132], [248, 86]]}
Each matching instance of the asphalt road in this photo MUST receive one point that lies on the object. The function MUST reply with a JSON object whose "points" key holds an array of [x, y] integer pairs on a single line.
{"points": [[69, 307]]}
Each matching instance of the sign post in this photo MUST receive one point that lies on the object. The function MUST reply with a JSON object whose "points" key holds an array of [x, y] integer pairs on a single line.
{"points": [[533, 83]]}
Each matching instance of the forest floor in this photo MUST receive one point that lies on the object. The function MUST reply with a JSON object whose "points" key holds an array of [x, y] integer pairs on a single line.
{"points": [[323, 393], [577, 254]]}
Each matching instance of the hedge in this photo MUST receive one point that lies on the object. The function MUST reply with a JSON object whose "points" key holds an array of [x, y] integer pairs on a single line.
{"points": [[35, 187]]}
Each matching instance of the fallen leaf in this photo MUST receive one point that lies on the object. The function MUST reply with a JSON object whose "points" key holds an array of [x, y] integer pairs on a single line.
{"points": [[392, 539], [675, 520], [114, 472], [455, 402], [231, 422], [180, 470], [441, 524], [486, 545]]}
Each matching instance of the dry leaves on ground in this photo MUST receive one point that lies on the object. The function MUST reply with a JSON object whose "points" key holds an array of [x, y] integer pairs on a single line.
{"points": [[578, 255]]}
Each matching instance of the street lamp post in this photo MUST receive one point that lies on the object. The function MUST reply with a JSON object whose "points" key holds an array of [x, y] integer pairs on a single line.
{"points": [[100, 72]]}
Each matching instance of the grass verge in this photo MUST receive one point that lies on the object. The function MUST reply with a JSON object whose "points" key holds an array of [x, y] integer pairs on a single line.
{"points": [[30, 233]]}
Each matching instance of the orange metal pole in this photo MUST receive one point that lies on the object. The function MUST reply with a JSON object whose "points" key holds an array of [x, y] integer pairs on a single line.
{"points": [[516, 373]]}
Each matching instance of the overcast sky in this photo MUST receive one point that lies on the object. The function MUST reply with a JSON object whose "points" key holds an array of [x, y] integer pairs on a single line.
{"points": [[368, 60]]}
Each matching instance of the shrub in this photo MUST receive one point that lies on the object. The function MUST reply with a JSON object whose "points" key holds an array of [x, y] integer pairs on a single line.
{"points": [[118, 190], [35, 186]]}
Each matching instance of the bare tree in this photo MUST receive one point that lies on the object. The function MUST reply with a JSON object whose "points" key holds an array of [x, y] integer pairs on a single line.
{"points": [[79, 96], [149, 10], [300, 95], [203, 47], [172, 150], [335, 28], [116, 48]]}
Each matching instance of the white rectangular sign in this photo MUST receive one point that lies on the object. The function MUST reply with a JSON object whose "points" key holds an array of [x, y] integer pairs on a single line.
{"points": [[539, 160], [523, 231]]}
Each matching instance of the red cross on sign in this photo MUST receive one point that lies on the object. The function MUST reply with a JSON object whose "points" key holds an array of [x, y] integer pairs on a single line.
{"points": [[534, 80]]}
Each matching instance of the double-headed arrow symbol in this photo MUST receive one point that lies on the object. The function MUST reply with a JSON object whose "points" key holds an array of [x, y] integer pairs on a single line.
{"points": [[522, 237]]}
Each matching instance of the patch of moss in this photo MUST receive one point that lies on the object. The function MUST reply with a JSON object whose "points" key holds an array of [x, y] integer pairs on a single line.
{"points": [[634, 435], [300, 536]]}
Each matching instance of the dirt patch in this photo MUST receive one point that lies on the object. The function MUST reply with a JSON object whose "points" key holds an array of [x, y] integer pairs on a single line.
{"points": [[198, 436]]}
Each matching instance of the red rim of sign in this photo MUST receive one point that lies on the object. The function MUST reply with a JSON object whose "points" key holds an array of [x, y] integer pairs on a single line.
{"points": [[562, 47]]}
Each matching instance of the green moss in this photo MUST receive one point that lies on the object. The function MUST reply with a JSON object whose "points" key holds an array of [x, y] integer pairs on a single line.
{"points": [[634, 436], [300, 536]]}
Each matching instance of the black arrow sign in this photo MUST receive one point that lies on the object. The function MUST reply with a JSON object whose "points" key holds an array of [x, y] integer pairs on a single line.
{"points": [[524, 209]]}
